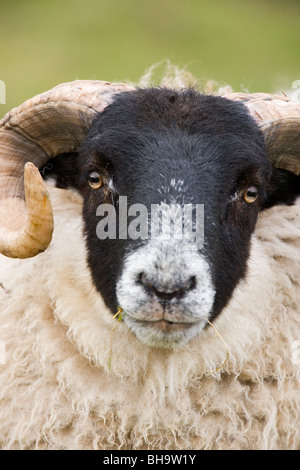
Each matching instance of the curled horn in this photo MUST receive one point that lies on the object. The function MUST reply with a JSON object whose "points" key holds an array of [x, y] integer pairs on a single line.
{"points": [[279, 119], [43, 127]]}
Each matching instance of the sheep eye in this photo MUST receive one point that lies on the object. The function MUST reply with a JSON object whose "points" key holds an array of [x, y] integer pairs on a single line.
{"points": [[250, 195], [95, 180]]}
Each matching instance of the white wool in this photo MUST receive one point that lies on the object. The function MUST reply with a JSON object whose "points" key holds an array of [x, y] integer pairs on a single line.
{"points": [[57, 390], [166, 74]]}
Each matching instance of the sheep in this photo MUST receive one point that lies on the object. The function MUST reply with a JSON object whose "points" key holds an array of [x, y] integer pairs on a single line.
{"points": [[79, 372]]}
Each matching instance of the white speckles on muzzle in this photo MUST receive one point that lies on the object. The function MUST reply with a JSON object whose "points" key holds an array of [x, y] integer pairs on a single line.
{"points": [[166, 292]]}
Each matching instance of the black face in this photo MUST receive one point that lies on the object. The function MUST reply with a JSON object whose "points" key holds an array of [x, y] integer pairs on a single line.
{"points": [[146, 139], [159, 146]]}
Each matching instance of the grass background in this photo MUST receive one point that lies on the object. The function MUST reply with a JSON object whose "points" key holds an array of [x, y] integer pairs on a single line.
{"points": [[249, 44]]}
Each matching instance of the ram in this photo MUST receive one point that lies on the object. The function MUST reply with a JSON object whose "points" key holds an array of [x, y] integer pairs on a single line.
{"points": [[117, 339]]}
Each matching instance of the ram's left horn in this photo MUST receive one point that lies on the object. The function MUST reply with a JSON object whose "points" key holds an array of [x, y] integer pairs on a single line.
{"points": [[279, 119]]}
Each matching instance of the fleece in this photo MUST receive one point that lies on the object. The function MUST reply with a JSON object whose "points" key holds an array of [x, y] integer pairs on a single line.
{"points": [[74, 377]]}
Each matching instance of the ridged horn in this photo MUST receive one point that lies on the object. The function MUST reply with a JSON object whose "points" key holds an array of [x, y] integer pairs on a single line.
{"points": [[43, 127], [279, 119]]}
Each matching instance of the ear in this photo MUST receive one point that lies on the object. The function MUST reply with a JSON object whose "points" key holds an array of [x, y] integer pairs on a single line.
{"points": [[64, 170], [283, 188]]}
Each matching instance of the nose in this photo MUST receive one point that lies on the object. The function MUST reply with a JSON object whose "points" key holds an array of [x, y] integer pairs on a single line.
{"points": [[167, 293]]}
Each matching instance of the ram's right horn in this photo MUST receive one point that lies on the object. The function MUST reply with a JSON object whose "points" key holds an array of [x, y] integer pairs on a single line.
{"points": [[50, 124]]}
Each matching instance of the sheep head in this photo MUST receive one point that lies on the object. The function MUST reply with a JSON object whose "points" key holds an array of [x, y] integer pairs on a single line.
{"points": [[154, 147]]}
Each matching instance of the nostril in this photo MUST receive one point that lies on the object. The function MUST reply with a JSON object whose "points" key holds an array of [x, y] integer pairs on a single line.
{"points": [[190, 283], [142, 279], [167, 293]]}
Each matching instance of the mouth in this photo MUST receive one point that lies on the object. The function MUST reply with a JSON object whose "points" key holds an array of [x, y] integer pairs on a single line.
{"points": [[162, 333], [164, 326]]}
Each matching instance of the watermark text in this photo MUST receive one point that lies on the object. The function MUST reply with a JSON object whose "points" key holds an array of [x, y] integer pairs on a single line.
{"points": [[160, 222], [2, 352], [296, 94], [296, 352], [2, 92]]}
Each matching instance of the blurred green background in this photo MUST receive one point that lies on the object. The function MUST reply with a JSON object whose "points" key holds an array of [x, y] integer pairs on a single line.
{"points": [[249, 44]]}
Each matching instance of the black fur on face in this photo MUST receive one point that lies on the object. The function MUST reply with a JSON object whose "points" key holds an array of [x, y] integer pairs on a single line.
{"points": [[213, 151]]}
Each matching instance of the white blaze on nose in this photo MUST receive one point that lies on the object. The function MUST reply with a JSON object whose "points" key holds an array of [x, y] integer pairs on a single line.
{"points": [[168, 264]]}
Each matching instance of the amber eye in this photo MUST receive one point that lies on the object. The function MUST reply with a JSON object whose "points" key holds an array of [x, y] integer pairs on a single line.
{"points": [[251, 194], [95, 180]]}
